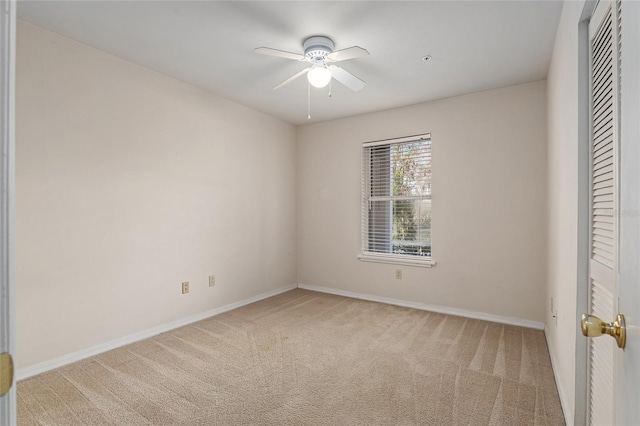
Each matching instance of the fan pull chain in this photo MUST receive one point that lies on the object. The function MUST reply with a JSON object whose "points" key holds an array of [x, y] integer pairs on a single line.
{"points": [[308, 101], [330, 87]]}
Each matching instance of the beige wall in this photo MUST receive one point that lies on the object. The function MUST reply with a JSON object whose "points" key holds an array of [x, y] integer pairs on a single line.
{"points": [[489, 203], [128, 183], [563, 202]]}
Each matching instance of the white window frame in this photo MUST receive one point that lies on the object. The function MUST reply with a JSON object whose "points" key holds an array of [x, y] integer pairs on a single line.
{"points": [[391, 258]]}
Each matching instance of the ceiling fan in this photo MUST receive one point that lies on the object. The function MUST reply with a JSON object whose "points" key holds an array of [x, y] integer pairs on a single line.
{"points": [[318, 51]]}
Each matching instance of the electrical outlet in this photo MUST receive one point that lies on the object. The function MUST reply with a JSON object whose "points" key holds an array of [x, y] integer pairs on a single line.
{"points": [[212, 280], [398, 274], [185, 287]]}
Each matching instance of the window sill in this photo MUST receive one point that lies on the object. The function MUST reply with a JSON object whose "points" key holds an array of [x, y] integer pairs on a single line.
{"points": [[424, 262]]}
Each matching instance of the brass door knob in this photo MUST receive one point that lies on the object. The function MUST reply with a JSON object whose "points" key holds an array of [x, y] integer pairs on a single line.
{"points": [[592, 326], [6, 373]]}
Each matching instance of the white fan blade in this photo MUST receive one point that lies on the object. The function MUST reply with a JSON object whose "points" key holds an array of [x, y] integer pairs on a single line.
{"points": [[348, 53], [290, 79], [279, 53], [346, 78]]}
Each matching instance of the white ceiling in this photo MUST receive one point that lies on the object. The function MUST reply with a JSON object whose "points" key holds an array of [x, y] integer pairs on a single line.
{"points": [[475, 45]]}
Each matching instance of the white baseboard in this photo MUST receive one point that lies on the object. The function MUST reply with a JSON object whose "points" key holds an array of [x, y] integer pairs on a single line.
{"points": [[39, 368], [425, 307], [566, 410]]}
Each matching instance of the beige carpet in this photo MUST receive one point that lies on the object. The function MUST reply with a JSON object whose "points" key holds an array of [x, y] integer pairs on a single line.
{"points": [[307, 358]]}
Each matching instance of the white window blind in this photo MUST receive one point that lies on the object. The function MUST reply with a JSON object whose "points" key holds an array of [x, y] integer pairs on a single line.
{"points": [[396, 198]]}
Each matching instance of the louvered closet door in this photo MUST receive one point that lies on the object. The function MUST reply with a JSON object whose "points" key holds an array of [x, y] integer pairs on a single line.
{"points": [[604, 37]]}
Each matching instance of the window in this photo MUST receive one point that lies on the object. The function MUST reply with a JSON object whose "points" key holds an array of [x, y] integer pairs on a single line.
{"points": [[396, 201]]}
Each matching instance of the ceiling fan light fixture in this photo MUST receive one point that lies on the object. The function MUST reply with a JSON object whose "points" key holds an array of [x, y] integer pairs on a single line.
{"points": [[319, 76], [318, 51]]}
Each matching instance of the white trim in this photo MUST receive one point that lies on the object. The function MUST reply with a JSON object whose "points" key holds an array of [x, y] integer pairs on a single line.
{"points": [[7, 188], [422, 261], [432, 308], [567, 410], [42, 367]]}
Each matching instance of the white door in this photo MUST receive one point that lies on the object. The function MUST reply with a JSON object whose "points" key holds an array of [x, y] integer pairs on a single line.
{"points": [[603, 265], [7, 85], [614, 271]]}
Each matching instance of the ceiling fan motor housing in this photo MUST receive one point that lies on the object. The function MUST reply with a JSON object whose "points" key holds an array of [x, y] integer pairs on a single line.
{"points": [[317, 47]]}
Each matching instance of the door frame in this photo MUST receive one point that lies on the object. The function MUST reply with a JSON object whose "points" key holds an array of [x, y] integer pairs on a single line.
{"points": [[627, 410], [7, 188]]}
